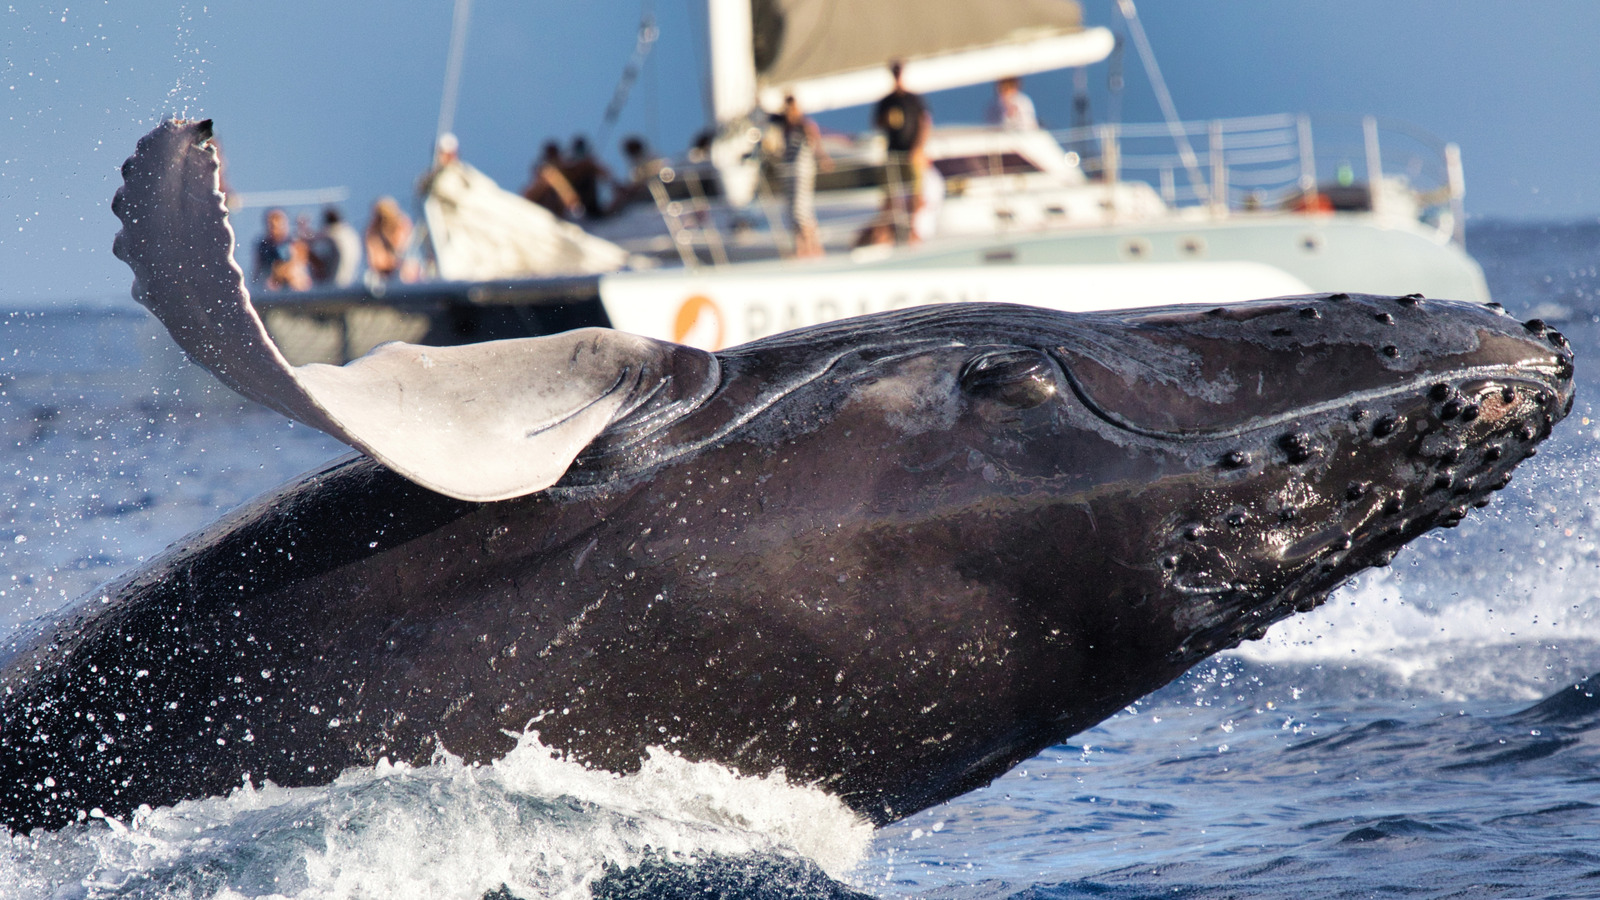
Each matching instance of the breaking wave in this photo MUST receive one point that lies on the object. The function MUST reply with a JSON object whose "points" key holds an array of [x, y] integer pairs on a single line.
{"points": [[529, 825]]}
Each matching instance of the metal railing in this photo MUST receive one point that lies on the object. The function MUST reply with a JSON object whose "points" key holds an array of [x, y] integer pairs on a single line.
{"points": [[689, 214], [702, 228], [1275, 162], [1226, 167]]}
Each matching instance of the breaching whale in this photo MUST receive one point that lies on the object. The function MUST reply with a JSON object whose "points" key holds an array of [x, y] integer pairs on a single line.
{"points": [[891, 556]]}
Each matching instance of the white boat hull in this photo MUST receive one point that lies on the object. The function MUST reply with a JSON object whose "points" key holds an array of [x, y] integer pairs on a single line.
{"points": [[1211, 262]]}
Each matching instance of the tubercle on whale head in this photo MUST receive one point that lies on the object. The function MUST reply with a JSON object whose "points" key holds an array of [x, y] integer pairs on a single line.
{"points": [[1408, 414]]}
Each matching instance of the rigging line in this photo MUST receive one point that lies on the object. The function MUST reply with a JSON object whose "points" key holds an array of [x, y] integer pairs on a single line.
{"points": [[1114, 80], [642, 45], [1185, 151], [452, 70], [652, 84]]}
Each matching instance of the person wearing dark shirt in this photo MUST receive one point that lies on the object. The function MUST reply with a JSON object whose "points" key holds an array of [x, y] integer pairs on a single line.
{"points": [[643, 166], [585, 174], [280, 258], [900, 115], [903, 118], [335, 251]]}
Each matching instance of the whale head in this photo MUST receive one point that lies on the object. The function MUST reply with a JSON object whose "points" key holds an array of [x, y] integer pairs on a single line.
{"points": [[1295, 442], [1142, 489]]}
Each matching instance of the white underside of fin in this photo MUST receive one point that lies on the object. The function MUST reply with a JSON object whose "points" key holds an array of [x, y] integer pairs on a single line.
{"points": [[478, 422]]}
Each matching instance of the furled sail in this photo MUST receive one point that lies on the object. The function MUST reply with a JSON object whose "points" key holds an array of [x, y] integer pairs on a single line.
{"points": [[834, 53], [481, 232]]}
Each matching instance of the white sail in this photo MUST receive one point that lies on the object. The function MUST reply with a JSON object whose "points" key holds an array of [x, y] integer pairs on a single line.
{"points": [[834, 53], [953, 70], [481, 232]]}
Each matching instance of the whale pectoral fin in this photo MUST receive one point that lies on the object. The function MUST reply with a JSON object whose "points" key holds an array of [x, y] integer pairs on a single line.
{"points": [[478, 422], [493, 420], [176, 237]]}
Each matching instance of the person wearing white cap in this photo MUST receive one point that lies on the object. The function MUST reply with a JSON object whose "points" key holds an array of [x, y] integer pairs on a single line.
{"points": [[446, 150]]}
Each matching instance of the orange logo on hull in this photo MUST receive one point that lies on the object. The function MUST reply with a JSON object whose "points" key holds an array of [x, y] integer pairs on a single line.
{"points": [[699, 323]]}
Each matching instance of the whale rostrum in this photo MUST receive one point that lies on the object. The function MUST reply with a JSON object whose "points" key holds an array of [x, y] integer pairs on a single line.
{"points": [[890, 556]]}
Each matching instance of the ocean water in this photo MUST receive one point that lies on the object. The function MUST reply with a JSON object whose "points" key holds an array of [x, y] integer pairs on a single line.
{"points": [[1394, 742]]}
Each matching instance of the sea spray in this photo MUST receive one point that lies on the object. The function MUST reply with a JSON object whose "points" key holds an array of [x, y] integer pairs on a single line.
{"points": [[533, 823]]}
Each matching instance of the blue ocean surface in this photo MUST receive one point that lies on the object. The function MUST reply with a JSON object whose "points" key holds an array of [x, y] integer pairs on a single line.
{"points": [[1427, 733]]}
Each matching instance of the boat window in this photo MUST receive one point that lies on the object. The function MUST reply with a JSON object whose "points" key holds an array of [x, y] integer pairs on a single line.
{"points": [[985, 164]]}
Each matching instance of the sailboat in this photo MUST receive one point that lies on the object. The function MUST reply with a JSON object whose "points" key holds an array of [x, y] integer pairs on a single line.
{"points": [[1097, 217]]}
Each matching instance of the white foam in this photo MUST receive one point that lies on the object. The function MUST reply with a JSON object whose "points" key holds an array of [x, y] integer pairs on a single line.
{"points": [[1442, 633], [533, 822]]}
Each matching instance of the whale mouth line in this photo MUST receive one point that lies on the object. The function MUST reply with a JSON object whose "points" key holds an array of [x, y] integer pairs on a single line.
{"points": [[1527, 375]]}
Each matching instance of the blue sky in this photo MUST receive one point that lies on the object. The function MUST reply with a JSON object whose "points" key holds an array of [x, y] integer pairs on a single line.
{"points": [[307, 94]]}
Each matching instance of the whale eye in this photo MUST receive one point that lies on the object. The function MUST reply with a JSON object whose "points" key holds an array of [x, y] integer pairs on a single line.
{"points": [[1015, 376]]}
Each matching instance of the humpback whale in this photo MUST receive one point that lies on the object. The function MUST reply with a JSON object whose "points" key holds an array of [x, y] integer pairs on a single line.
{"points": [[891, 557]]}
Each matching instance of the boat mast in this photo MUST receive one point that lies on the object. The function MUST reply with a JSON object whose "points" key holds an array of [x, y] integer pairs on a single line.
{"points": [[642, 45], [452, 69], [733, 65], [733, 97]]}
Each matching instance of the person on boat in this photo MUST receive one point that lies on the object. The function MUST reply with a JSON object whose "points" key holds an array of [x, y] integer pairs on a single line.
{"points": [[642, 167], [585, 173], [335, 250], [904, 119], [802, 154], [700, 147], [550, 188], [1012, 109], [477, 231], [387, 237], [446, 157], [280, 258], [926, 221], [446, 150], [304, 233]]}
